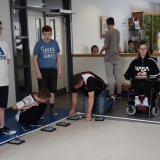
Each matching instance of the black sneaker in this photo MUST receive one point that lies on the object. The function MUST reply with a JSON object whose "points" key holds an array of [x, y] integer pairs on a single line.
{"points": [[26, 127], [37, 124], [53, 111], [6, 130], [118, 96]]}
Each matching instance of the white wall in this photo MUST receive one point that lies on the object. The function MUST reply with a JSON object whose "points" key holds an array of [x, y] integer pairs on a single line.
{"points": [[7, 36], [86, 20]]}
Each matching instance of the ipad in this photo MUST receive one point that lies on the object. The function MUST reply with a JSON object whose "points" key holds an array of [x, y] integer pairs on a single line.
{"points": [[73, 118], [48, 129], [16, 141], [99, 119], [63, 124], [141, 77]]}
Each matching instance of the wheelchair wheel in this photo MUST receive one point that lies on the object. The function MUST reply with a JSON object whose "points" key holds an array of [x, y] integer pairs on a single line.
{"points": [[131, 110], [155, 111]]}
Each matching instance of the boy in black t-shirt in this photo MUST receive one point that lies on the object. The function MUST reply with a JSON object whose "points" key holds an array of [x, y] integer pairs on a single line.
{"points": [[94, 89], [31, 108]]}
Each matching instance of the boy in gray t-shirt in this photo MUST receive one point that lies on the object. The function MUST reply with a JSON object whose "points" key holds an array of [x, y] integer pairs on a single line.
{"points": [[111, 48]]}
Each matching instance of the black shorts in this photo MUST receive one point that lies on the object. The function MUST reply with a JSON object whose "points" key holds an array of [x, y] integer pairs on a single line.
{"points": [[49, 79], [4, 96]]}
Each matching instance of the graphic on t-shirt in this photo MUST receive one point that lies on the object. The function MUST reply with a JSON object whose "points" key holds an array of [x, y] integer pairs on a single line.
{"points": [[48, 52], [2, 55]]}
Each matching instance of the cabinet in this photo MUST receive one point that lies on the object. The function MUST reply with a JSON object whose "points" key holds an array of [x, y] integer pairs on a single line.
{"points": [[150, 26]]}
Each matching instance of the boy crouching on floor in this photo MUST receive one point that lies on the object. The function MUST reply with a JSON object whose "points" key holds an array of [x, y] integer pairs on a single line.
{"points": [[31, 108]]}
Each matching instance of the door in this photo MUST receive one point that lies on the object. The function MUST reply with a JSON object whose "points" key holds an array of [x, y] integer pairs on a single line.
{"points": [[36, 22], [58, 29]]}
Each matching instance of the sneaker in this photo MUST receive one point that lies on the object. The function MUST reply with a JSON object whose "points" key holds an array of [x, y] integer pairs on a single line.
{"points": [[37, 124], [53, 111], [26, 127], [137, 102], [6, 130], [113, 101], [42, 117], [118, 96], [145, 102]]}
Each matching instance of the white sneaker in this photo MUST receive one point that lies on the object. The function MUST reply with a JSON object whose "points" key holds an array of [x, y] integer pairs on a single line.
{"points": [[137, 102], [113, 101], [145, 102]]}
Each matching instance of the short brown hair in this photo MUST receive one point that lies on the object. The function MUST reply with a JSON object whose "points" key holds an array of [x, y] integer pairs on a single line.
{"points": [[0, 23], [46, 29], [76, 79], [44, 93], [110, 21]]}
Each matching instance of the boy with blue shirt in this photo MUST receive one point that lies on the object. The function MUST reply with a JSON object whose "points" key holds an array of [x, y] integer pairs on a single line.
{"points": [[46, 60]]}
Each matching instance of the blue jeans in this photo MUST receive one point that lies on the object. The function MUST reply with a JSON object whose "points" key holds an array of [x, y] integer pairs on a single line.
{"points": [[102, 104]]}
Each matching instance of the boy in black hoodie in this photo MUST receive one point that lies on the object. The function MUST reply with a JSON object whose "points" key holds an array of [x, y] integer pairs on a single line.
{"points": [[143, 66]]}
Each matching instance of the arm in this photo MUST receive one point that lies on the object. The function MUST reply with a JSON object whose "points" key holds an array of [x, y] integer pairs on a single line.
{"points": [[131, 72], [106, 42], [154, 70], [103, 48], [90, 105], [59, 65], [23, 108], [74, 102], [35, 62]]}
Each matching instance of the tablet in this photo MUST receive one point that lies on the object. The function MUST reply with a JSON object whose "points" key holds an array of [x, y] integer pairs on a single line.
{"points": [[141, 77], [16, 141], [63, 124], [73, 118], [48, 129], [99, 119]]}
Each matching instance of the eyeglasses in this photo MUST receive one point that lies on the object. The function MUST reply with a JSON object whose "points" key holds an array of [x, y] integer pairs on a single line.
{"points": [[143, 49], [1, 28]]}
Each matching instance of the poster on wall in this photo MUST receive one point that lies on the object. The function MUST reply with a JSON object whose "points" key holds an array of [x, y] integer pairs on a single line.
{"points": [[124, 22], [104, 28], [116, 24]]}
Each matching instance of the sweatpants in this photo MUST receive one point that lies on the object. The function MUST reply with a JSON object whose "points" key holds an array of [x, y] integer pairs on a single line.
{"points": [[112, 74], [33, 114], [147, 87]]}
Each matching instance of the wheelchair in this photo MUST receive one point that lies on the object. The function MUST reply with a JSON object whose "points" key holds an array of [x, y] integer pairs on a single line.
{"points": [[154, 99]]}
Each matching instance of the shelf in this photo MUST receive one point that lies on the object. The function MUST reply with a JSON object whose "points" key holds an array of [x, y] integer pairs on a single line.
{"points": [[21, 37], [134, 29], [23, 66]]}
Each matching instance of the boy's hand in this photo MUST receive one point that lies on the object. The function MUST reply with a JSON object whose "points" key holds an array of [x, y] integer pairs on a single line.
{"points": [[71, 112], [59, 73], [39, 75], [34, 104], [103, 35]]}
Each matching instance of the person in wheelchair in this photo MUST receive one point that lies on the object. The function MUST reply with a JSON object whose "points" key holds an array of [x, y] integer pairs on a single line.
{"points": [[140, 68]]}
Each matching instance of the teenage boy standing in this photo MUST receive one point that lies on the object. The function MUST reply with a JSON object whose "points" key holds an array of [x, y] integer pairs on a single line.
{"points": [[46, 60], [4, 83]]}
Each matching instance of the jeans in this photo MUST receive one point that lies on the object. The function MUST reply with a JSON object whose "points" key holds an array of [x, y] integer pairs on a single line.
{"points": [[102, 104]]}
